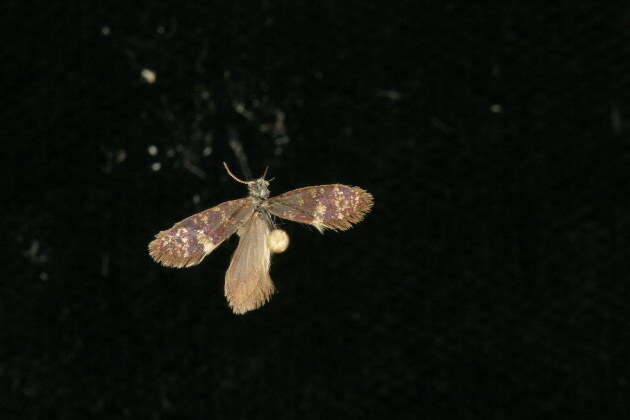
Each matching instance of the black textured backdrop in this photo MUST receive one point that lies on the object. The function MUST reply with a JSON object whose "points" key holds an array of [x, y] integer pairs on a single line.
{"points": [[491, 279]]}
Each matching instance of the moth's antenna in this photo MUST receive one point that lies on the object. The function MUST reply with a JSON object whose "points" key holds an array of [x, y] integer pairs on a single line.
{"points": [[265, 173], [234, 176]]}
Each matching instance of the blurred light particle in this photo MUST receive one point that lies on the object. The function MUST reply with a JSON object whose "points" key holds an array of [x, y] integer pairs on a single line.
{"points": [[149, 76], [121, 155], [391, 94], [615, 120], [35, 254], [104, 264], [106, 30], [33, 250], [207, 151], [160, 30], [156, 166], [441, 125], [152, 150], [196, 199], [237, 148], [170, 153], [496, 71], [278, 241], [194, 169], [43, 276], [279, 131], [240, 108], [496, 108]]}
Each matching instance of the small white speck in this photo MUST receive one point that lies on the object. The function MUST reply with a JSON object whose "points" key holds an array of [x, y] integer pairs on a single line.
{"points": [[152, 149], [160, 30], [205, 95], [170, 153], [207, 151], [156, 166], [148, 75], [43, 276], [496, 108], [106, 31], [196, 199]]}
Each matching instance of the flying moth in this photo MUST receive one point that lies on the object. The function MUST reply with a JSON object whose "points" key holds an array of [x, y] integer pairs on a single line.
{"points": [[248, 285]]}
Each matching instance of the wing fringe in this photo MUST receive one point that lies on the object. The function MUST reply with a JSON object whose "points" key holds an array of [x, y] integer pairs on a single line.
{"points": [[363, 207]]}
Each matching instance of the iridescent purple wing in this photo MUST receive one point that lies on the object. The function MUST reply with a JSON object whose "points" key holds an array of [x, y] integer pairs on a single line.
{"points": [[189, 241], [333, 206]]}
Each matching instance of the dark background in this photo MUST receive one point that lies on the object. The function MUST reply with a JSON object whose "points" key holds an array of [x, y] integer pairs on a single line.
{"points": [[489, 281]]}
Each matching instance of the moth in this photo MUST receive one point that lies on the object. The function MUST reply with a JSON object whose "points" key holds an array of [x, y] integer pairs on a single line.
{"points": [[248, 284]]}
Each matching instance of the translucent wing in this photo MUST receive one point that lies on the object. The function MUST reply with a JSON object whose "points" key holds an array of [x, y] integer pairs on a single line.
{"points": [[189, 241], [247, 282], [333, 206]]}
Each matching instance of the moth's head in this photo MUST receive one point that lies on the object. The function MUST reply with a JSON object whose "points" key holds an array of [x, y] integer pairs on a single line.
{"points": [[258, 188]]}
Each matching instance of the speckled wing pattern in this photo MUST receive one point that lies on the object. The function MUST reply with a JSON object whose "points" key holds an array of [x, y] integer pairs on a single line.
{"points": [[333, 206], [248, 285], [189, 241]]}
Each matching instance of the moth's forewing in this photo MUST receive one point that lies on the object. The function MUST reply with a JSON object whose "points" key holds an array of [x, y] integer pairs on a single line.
{"points": [[332, 206], [247, 282], [189, 241]]}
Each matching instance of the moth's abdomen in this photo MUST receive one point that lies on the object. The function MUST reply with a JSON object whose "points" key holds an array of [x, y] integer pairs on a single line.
{"points": [[332, 206], [189, 241]]}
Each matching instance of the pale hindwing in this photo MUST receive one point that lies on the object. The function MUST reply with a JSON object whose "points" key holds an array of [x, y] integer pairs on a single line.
{"points": [[247, 282]]}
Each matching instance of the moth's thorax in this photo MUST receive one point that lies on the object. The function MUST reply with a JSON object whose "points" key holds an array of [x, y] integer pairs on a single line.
{"points": [[258, 189]]}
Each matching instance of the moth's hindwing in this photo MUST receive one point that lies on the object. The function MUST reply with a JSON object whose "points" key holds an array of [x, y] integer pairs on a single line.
{"points": [[247, 282], [189, 241], [333, 206]]}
